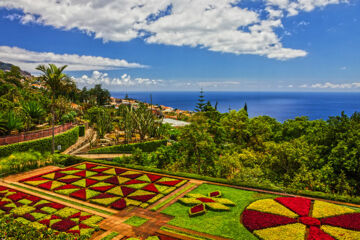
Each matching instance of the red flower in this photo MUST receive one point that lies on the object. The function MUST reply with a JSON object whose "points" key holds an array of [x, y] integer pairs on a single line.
{"points": [[316, 234], [299, 205], [169, 183], [214, 194], [348, 221], [142, 198], [63, 225], [119, 204], [254, 220], [309, 221], [205, 200]]}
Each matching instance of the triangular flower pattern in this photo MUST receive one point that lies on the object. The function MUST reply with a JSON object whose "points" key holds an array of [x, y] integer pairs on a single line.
{"points": [[211, 203], [307, 219], [106, 186], [42, 213]]}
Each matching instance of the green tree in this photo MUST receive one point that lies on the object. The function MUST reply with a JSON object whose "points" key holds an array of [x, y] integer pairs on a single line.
{"points": [[52, 77], [201, 102], [198, 149]]}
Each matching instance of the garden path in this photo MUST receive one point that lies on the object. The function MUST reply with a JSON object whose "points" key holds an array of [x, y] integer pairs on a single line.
{"points": [[101, 156]]}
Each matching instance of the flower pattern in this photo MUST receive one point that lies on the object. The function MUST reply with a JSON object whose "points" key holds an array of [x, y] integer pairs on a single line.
{"points": [[295, 218]]}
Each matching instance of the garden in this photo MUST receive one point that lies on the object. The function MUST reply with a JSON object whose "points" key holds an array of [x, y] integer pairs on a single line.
{"points": [[40, 213], [105, 185], [153, 206]]}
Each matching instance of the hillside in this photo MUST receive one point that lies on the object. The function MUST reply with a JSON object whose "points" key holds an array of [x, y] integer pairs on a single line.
{"points": [[7, 67]]}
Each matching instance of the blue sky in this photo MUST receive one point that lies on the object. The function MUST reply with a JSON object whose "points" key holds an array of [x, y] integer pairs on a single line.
{"points": [[269, 45]]}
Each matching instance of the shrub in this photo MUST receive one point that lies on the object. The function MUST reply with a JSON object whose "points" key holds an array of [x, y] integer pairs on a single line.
{"points": [[13, 229], [129, 148], [81, 130], [42, 145]]}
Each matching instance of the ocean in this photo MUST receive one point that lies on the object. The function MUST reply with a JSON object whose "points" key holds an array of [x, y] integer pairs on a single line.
{"points": [[279, 105]]}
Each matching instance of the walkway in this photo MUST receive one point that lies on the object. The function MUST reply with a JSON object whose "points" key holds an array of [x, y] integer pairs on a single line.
{"points": [[102, 156]]}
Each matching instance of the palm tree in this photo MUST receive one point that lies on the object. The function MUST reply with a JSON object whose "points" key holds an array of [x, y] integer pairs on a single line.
{"points": [[53, 77]]}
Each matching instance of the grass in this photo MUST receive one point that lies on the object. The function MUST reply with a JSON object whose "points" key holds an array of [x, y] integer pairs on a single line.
{"points": [[224, 224], [64, 200], [183, 233], [136, 221], [110, 236], [160, 205]]}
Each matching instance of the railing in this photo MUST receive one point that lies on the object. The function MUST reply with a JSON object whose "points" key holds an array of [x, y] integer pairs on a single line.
{"points": [[27, 136]]}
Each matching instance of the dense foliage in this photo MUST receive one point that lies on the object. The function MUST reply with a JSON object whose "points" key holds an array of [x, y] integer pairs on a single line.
{"points": [[12, 229], [26, 101], [300, 154], [65, 139], [149, 146]]}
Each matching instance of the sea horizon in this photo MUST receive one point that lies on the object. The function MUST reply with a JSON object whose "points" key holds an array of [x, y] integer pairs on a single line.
{"points": [[281, 105]]}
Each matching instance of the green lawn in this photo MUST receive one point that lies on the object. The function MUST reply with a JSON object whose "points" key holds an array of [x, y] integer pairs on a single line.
{"points": [[136, 221], [224, 224]]}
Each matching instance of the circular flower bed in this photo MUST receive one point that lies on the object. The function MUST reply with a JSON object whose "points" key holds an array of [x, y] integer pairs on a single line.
{"points": [[300, 218]]}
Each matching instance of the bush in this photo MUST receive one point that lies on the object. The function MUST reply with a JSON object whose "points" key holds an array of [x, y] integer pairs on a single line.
{"points": [[129, 148], [12, 229], [42, 145], [81, 130]]}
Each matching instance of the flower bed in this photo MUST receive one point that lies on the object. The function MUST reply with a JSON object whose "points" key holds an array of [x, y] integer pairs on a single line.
{"points": [[202, 201], [41, 213], [291, 217], [105, 185]]}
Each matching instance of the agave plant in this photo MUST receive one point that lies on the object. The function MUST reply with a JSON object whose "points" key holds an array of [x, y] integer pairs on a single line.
{"points": [[34, 110], [13, 122], [3, 128]]}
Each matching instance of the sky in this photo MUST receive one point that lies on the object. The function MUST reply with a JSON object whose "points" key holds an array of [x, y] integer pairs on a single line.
{"points": [[186, 45]]}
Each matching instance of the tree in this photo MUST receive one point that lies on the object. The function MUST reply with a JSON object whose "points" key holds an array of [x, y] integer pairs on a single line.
{"points": [[102, 95], [53, 76], [245, 107], [198, 149], [201, 102]]}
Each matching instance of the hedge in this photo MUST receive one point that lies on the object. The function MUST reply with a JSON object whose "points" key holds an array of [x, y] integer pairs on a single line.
{"points": [[81, 130], [65, 139], [129, 148]]}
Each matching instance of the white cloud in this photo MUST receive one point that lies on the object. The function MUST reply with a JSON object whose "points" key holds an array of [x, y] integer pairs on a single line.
{"points": [[343, 68], [125, 80], [293, 7], [219, 26], [29, 60], [329, 85]]}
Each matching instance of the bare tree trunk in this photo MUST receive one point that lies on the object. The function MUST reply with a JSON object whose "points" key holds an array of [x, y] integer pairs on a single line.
{"points": [[53, 126]]}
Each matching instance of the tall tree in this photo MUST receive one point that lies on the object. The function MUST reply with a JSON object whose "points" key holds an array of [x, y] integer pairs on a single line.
{"points": [[201, 102], [53, 77]]}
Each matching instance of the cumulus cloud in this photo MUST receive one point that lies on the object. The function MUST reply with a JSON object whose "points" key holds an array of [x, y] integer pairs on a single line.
{"points": [[125, 80], [329, 85], [220, 26], [293, 7], [29, 60]]}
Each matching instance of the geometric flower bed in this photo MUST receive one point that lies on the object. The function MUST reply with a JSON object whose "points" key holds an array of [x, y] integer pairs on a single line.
{"points": [[108, 186], [202, 202], [301, 218], [41, 213]]}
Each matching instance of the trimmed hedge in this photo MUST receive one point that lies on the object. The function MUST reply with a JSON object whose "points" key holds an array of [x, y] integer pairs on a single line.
{"points": [[81, 130], [129, 148], [65, 139]]}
